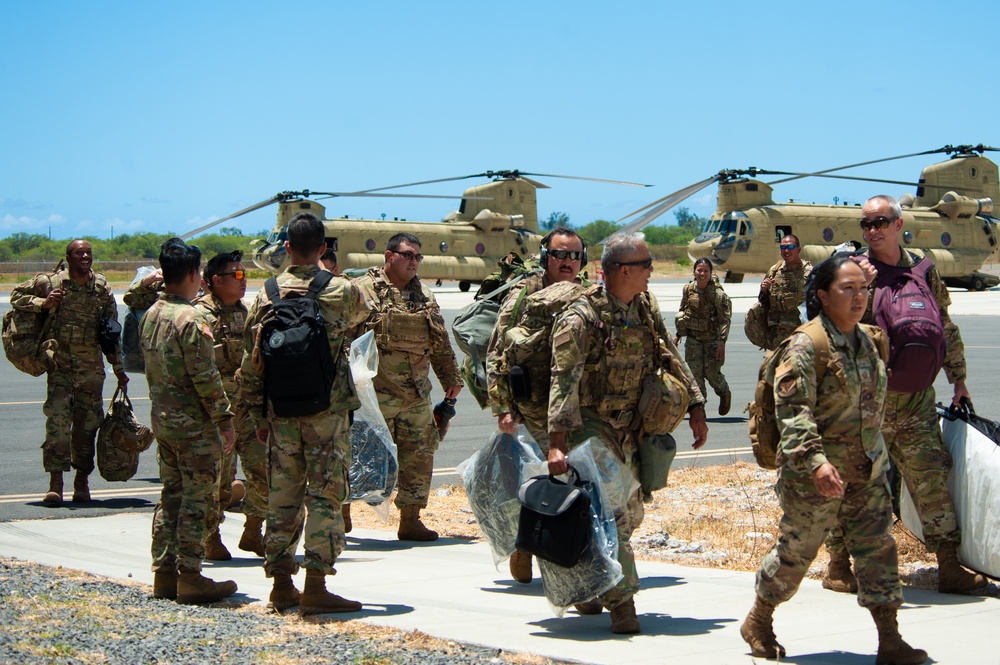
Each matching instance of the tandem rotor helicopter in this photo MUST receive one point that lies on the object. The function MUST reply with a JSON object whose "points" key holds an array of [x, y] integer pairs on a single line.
{"points": [[950, 218], [492, 220]]}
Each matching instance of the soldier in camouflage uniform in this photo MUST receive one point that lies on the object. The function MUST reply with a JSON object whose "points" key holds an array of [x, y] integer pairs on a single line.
{"points": [[225, 280], [564, 258], [602, 346], [783, 289], [834, 466], [911, 428], [704, 317], [79, 299], [193, 425], [310, 456], [411, 339]]}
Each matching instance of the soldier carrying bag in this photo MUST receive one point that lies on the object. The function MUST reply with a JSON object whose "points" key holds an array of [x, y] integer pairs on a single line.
{"points": [[120, 440], [24, 332], [554, 523]]}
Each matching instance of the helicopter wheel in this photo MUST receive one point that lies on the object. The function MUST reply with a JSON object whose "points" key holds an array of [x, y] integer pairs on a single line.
{"points": [[464, 286], [978, 284], [438, 283]]}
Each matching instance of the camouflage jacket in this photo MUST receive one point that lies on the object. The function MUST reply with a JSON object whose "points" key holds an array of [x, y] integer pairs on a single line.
{"points": [[184, 385], [601, 350], [410, 335], [954, 359], [140, 297], [342, 307], [704, 314], [786, 293], [228, 324], [836, 417], [76, 317]]}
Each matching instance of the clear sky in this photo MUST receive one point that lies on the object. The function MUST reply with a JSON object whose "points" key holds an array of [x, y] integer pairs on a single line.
{"points": [[142, 116]]}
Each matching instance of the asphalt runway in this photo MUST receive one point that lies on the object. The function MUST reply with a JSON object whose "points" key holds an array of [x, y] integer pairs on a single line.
{"points": [[23, 482]]}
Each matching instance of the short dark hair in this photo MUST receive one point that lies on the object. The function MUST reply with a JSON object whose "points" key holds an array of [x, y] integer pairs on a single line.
{"points": [[177, 260], [329, 255], [305, 232], [705, 261], [820, 279], [791, 235], [218, 263], [397, 241], [562, 231]]}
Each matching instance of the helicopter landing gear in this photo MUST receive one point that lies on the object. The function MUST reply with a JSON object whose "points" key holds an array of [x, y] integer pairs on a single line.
{"points": [[464, 286], [978, 284], [438, 283]]}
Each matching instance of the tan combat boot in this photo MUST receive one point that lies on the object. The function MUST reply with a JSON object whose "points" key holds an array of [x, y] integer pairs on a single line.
{"points": [[623, 619], [194, 588], [81, 488], [520, 567], [345, 512], [725, 402], [236, 493], [284, 595], [952, 577], [54, 496], [758, 631], [838, 576], [592, 606], [165, 585], [892, 650], [316, 599], [410, 526], [252, 539], [215, 550]]}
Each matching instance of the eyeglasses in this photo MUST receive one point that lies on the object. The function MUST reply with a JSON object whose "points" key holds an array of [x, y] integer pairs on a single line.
{"points": [[645, 263], [562, 254], [788, 247], [240, 275], [879, 222], [410, 256]]}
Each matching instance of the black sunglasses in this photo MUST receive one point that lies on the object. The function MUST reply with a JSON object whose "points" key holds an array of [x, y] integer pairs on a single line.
{"points": [[565, 254], [410, 256], [645, 263], [879, 222]]}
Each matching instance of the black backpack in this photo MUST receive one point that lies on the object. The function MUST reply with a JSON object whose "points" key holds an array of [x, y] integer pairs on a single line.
{"points": [[299, 368]]}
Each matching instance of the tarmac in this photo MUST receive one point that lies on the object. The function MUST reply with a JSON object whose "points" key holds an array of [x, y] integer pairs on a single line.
{"points": [[451, 589]]}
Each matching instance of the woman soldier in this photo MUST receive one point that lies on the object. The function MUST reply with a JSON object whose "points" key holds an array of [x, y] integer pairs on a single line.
{"points": [[834, 462], [704, 317]]}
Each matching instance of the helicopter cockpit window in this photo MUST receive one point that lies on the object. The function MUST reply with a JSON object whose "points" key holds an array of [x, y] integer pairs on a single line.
{"points": [[277, 237], [745, 229]]}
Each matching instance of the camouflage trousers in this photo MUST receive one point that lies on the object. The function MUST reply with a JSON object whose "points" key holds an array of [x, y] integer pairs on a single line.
{"points": [[865, 510], [253, 458], [189, 471], [700, 357], [913, 437], [411, 423], [309, 459], [74, 410], [627, 519]]}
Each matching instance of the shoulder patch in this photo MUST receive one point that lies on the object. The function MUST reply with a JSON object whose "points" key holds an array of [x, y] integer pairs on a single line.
{"points": [[786, 387], [206, 330], [562, 337]]}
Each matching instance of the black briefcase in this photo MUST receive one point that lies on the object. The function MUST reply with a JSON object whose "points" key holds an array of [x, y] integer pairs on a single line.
{"points": [[555, 519]]}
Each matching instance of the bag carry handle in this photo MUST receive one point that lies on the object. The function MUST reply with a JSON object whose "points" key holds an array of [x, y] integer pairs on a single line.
{"points": [[124, 397]]}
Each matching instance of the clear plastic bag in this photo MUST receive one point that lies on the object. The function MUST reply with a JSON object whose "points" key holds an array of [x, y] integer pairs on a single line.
{"points": [[374, 462], [492, 476], [131, 351], [607, 480]]}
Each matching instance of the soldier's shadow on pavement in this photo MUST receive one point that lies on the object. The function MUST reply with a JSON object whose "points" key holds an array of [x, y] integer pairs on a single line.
{"points": [[99, 504], [507, 586], [830, 658], [151, 481], [597, 628], [393, 545], [369, 610], [662, 582], [727, 419]]}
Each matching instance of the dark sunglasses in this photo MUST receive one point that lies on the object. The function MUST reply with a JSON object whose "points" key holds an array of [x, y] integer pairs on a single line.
{"points": [[645, 263], [410, 256], [565, 254], [879, 222], [789, 247], [238, 274]]}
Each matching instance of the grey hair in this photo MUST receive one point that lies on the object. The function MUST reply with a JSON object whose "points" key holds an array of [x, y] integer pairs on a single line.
{"points": [[897, 210], [620, 247]]}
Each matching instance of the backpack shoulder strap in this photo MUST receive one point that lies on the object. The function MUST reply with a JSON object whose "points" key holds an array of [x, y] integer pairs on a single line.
{"points": [[821, 344], [272, 291], [318, 283]]}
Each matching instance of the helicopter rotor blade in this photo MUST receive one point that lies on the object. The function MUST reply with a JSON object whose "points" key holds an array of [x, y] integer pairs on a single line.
{"points": [[947, 149], [330, 195], [577, 177], [888, 182], [257, 206], [660, 206], [506, 173]]}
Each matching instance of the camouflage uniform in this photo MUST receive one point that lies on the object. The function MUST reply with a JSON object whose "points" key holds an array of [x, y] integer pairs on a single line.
{"points": [[228, 324], [74, 403], [189, 406], [704, 317], [601, 350], [411, 338], [783, 299], [913, 436], [834, 418], [309, 456]]}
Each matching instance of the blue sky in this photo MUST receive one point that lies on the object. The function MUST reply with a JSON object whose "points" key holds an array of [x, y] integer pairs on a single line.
{"points": [[163, 116]]}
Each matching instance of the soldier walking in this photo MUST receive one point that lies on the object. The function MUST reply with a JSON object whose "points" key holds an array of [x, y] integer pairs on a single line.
{"points": [[193, 424], [783, 289], [78, 299], [411, 339], [704, 317]]}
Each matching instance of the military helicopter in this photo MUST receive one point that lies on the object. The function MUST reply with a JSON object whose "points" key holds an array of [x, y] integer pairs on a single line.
{"points": [[492, 220], [950, 218]]}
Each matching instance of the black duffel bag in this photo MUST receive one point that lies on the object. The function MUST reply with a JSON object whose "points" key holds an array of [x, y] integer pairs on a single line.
{"points": [[554, 524]]}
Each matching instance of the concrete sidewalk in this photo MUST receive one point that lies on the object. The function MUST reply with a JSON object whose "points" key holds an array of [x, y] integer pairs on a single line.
{"points": [[451, 590]]}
